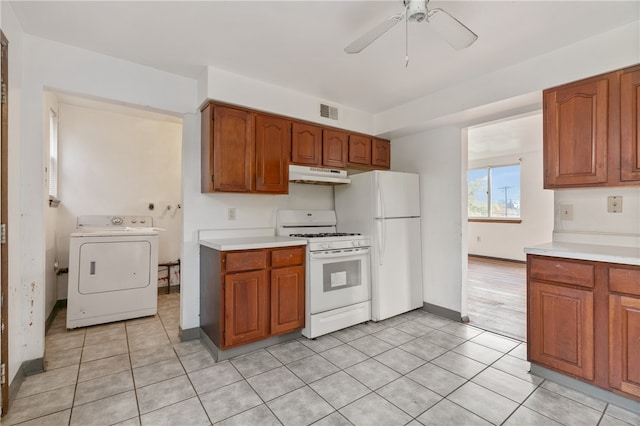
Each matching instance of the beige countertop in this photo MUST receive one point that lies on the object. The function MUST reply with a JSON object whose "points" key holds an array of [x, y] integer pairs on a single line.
{"points": [[593, 252], [248, 243]]}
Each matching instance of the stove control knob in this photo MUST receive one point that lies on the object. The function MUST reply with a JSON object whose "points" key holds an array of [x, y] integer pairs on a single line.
{"points": [[327, 245], [356, 243]]}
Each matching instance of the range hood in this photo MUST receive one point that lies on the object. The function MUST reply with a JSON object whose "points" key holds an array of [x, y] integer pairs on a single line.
{"points": [[317, 175]]}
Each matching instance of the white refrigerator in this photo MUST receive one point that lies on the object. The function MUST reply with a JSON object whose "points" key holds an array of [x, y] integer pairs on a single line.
{"points": [[386, 206]]}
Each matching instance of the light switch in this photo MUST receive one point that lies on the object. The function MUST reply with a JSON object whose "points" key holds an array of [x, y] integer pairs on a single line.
{"points": [[614, 204], [566, 211]]}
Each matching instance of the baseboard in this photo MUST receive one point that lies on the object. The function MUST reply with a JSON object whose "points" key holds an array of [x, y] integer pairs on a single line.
{"points": [[221, 355], [189, 333], [442, 312], [585, 388], [33, 366], [27, 368], [497, 258], [16, 383], [167, 290], [60, 304]]}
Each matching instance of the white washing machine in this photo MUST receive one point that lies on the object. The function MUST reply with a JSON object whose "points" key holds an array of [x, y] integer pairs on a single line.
{"points": [[113, 270]]}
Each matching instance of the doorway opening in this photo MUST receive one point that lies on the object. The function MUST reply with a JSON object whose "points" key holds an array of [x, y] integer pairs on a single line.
{"points": [[107, 159], [507, 210]]}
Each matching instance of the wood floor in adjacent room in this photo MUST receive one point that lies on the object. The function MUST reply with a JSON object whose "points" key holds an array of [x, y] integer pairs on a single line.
{"points": [[497, 296]]}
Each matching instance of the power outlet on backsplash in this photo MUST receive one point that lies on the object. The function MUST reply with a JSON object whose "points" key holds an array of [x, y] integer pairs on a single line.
{"points": [[614, 204]]}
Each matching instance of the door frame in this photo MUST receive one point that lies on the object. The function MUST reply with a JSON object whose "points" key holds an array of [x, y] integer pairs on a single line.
{"points": [[4, 219]]}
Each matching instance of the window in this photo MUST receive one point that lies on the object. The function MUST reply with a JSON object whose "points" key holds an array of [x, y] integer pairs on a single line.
{"points": [[53, 156], [494, 193]]}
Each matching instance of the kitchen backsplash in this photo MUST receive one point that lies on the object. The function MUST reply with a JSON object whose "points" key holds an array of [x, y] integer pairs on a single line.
{"points": [[581, 216]]}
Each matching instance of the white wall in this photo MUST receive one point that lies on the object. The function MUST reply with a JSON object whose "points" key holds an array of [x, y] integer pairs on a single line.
{"points": [[115, 161], [590, 214], [19, 315], [239, 90], [508, 240], [436, 155]]}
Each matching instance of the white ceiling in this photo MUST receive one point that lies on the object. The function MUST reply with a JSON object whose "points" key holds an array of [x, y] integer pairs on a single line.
{"points": [[504, 138], [299, 44]]}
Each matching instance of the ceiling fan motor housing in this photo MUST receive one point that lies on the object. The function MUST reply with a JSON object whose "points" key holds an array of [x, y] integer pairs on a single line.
{"points": [[417, 10]]}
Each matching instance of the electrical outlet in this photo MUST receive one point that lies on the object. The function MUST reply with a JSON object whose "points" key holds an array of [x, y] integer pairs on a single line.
{"points": [[231, 213], [614, 204], [566, 211]]}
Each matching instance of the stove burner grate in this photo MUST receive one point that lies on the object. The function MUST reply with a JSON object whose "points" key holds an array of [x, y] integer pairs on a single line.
{"points": [[326, 235]]}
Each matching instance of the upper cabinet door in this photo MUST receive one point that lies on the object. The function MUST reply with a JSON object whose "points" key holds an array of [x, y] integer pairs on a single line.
{"points": [[273, 144], [381, 153], [334, 148], [233, 138], [576, 133], [306, 144], [630, 125], [360, 150]]}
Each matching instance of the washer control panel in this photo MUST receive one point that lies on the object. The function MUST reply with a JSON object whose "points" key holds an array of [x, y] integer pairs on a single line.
{"points": [[110, 222]]}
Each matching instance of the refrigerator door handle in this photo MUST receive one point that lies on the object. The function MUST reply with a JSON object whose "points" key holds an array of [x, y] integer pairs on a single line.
{"points": [[380, 200], [382, 243]]}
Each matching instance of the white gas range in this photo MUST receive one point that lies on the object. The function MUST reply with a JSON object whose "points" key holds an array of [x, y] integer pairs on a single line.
{"points": [[338, 290]]}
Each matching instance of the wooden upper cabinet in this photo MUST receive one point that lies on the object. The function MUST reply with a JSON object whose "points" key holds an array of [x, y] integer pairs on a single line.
{"points": [[576, 132], [592, 131], [359, 150], [273, 145], [380, 153], [306, 144], [630, 125], [334, 148], [227, 133], [244, 151]]}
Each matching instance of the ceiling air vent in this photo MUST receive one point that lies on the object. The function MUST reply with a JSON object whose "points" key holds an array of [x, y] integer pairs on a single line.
{"points": [[327, 111]]}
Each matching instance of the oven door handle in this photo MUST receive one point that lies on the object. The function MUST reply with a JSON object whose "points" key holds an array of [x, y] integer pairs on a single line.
{"points": [[339, 254]]}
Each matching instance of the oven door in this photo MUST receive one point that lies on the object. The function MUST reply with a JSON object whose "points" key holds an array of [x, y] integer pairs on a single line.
{"points": [[338, 278]]}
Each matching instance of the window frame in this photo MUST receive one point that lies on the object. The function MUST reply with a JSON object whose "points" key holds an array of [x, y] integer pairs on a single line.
{"points": [[53, 166], [489, 218]]}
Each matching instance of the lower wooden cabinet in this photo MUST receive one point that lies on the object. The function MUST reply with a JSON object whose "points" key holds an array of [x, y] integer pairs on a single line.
{"points": [[249, 295], [245, 307], [287, 299], [561, 328], [583, 319], [624, 343], [624, 329]]}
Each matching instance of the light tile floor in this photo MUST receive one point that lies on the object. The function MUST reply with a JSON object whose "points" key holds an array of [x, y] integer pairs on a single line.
{"points": [[413, 369]]}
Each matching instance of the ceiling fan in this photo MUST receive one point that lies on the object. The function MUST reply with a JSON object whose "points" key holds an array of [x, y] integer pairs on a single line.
{"points": [[450, 29]]}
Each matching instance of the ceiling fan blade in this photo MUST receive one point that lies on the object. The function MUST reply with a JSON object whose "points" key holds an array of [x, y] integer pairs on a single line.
{"points": [[370, 36], [450, 29]]}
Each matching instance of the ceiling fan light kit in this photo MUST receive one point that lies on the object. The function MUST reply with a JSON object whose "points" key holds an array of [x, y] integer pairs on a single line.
{"points": [[454, 32]]}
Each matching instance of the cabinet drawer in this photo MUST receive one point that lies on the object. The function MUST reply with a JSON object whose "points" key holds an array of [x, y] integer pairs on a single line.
{"points": [[288, 257], [624, 280], [245, 261], [562, 271]]}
